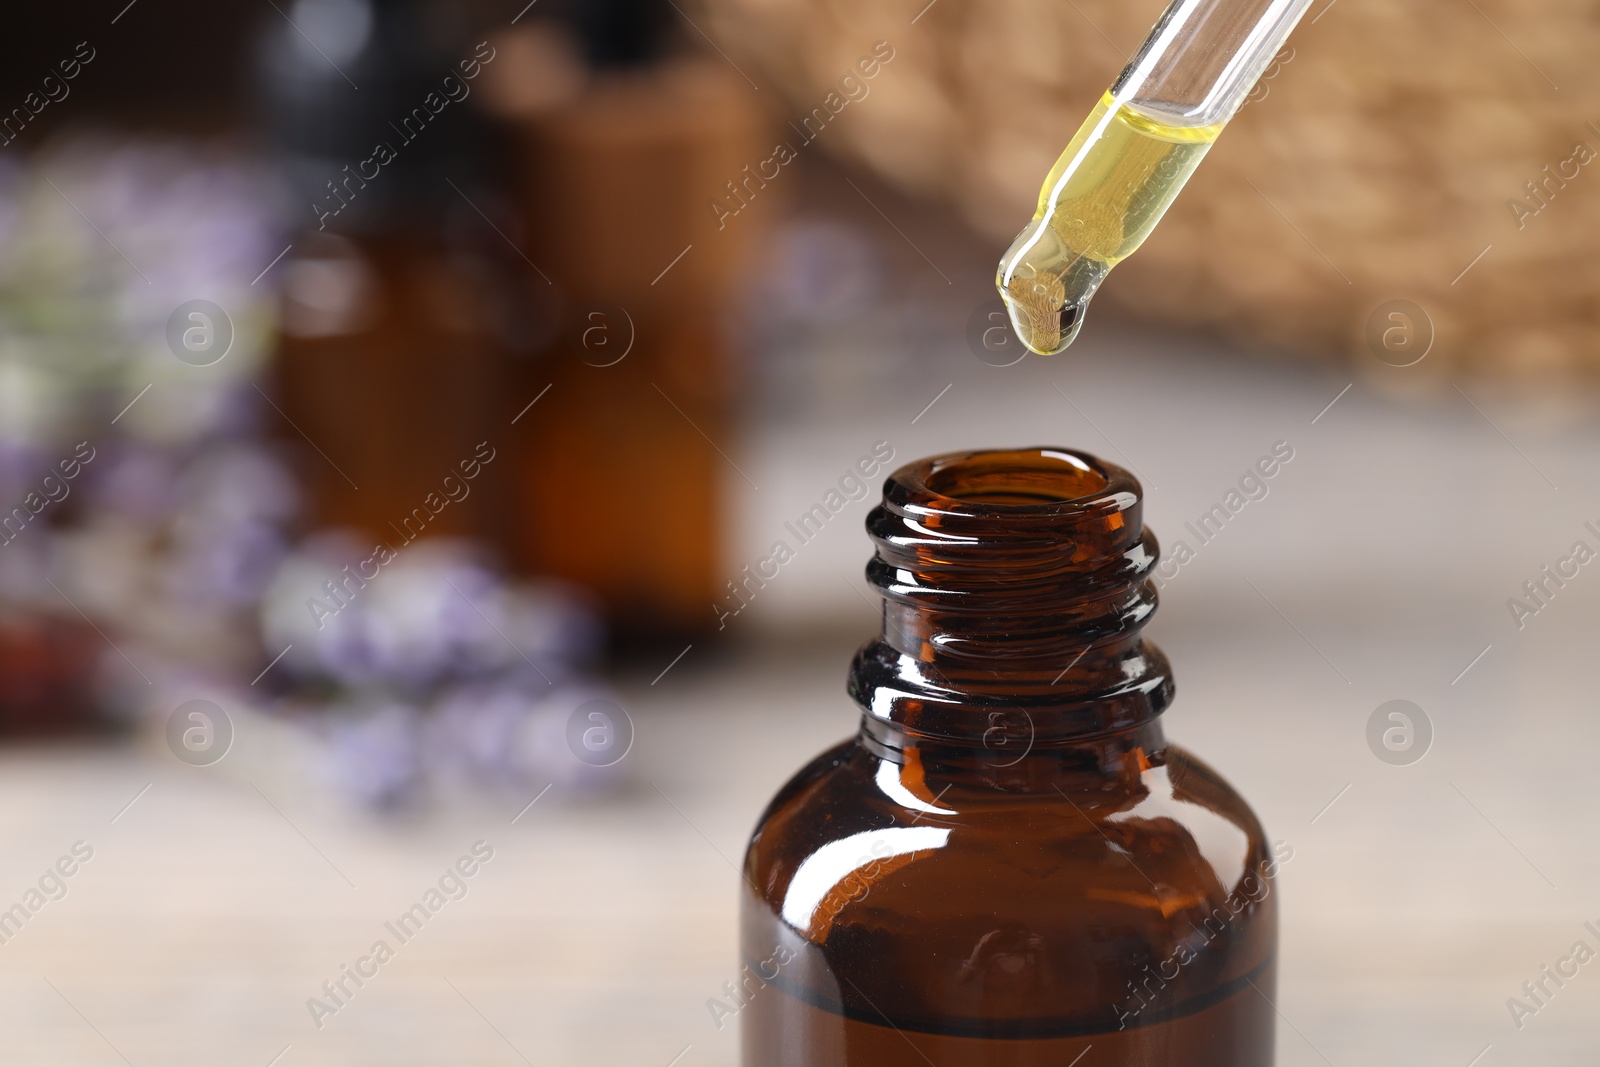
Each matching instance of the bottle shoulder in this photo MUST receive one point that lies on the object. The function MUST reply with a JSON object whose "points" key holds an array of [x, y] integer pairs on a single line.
{"points": [[851, 827], [1036, 904]]}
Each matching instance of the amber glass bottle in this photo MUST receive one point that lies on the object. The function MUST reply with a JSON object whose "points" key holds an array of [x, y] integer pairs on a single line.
{"points": [[1008, 864]]}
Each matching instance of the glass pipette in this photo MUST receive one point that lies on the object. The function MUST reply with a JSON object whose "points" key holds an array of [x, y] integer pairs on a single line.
{"points": [[1131, 156]]}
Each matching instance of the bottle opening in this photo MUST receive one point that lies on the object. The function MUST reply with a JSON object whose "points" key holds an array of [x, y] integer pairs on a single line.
{"points": [[1036, 558], [1021, 477]]}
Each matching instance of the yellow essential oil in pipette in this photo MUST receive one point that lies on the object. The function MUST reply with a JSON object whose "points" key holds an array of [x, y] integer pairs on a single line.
{"points": [[1099, 202]]}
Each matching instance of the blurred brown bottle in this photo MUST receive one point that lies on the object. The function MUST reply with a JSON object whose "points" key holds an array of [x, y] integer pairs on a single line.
{"points": [[399, 307], [47, 674], [619, 168]]}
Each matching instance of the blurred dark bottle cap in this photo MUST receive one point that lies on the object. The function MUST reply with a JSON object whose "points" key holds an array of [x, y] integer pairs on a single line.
{"points": [[621, 33], [343, 85]]}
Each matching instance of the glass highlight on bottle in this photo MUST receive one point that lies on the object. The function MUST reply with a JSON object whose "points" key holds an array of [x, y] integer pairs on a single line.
{"points": [[1009, 864], [1130, 157]]}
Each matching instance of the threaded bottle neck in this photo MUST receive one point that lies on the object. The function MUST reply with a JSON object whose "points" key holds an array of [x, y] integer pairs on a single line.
{"points": [[1015, 584]]}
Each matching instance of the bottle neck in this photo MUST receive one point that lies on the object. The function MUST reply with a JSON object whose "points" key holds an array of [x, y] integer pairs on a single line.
{"points": [[1015, 585]]}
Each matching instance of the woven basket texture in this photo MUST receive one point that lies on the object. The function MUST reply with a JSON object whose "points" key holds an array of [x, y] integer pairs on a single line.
{"points": [[1386, 156]]}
